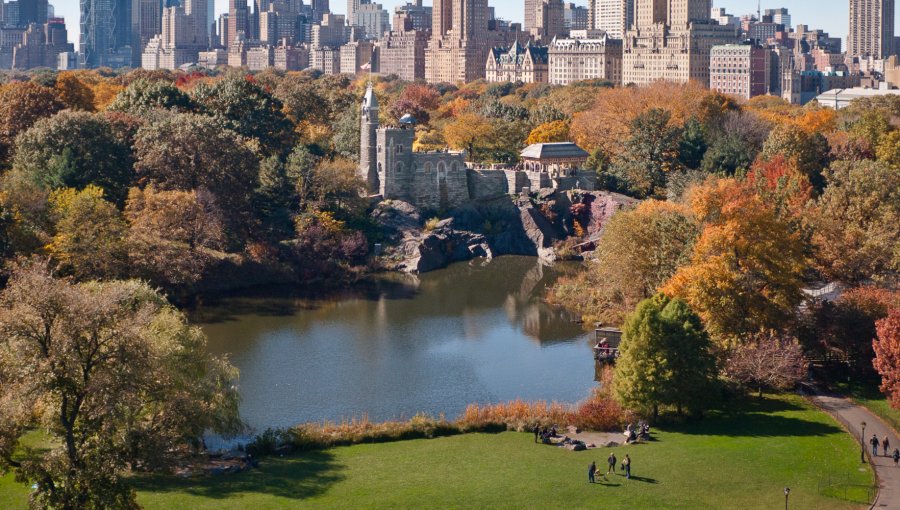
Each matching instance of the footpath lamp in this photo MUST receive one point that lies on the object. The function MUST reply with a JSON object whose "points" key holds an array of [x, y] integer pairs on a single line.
{"points": [[862, 443], [787, 493]]}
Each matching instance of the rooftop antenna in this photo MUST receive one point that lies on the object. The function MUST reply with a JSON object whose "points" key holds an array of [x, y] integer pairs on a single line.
{"points": [[759, 11]]}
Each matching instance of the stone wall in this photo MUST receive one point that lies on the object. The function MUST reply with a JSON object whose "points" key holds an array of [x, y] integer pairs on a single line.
{"points": [[516, 180], [440, 180], [487, 184]]}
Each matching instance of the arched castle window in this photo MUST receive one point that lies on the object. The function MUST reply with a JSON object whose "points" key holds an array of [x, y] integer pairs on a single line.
{"points": [[429, 167], [380, 168], [399, 149], [399, 168], [454, 167], [441, 167]]}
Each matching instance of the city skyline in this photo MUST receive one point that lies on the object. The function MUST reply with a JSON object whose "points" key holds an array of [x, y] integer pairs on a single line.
{"points": [[808, 12]]}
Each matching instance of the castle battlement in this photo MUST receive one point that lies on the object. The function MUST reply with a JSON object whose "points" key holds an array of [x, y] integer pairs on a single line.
{"points": [[442, 180]]}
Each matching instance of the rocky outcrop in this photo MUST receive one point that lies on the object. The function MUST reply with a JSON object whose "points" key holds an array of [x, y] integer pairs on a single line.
{"points": [[442, 246], [524, 225]]}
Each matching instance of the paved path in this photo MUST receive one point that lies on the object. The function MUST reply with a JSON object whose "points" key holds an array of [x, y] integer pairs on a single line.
{"points": [[852, 415]]}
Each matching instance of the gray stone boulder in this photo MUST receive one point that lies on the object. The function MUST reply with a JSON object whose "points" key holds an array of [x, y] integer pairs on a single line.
{"points": [[396, 218], [443, 246], [539, 232]]}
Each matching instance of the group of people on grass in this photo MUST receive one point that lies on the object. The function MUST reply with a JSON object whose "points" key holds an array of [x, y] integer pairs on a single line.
{"points": [[611, 463], [544, 435], [886, 445], [641, 432]]}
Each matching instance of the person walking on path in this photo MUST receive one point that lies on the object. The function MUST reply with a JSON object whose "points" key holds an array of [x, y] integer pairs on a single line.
{"points": [[537, 432], [627, 464], [886, 443], [612, 463], [896, 457], [874, 442], [591, 471]]}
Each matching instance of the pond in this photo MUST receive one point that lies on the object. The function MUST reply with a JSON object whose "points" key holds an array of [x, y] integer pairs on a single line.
{"points": [[397, 345]]}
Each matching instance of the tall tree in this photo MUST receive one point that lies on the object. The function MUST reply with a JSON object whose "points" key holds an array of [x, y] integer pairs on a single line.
{"points": [[887, 356], [74, 150], [639, 251], [171, 235], [650, 154], [89, 239], [21, 105], [856, 222], [187, 152], [248, 109], [144, 96], [666, 359], [114, 374], [746, 271]]}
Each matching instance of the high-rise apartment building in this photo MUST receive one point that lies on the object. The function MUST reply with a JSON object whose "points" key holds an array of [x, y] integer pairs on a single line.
{"points": [[671, 40], [374, 18], [871, 29], [463, 31], [575, 17], [544, 19], [419, 15], [459, 42], [184, 35], [238, 20], [146, 22], [614, 17], [585, 55], [742, 70], [779, 16], [402, 51]]}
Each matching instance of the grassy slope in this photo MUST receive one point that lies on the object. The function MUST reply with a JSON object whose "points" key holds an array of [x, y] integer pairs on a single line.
{"points": [[726, 461], [868, 395]]}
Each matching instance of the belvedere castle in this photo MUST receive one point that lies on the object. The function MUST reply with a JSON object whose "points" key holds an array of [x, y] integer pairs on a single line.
{"points": [[443, 180]]}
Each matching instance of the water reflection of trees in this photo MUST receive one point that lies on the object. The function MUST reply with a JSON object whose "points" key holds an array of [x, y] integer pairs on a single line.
{"points": [[514, 284]]}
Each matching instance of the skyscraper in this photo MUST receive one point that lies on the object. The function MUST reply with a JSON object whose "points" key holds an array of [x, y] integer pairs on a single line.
{"points": [[97, 20], [32, 11], [238, 20], [671, 40], [871, 29], [319, 9], [614, 17], [544, 19], [146, 22], [459, 43]]}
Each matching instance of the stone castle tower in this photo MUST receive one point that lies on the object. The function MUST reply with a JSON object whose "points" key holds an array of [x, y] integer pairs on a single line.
{"points": [[368, 147]]}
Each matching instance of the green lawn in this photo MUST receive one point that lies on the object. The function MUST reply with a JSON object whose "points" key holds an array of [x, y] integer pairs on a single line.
{"points": [[740, 460]]}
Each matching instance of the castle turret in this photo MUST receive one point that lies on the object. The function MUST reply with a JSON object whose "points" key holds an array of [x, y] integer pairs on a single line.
{"points": [[368, 148]]}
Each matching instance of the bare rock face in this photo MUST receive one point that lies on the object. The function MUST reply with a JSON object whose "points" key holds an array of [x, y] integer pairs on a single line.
{"points": [[443, 246], [539, 232], [523, 226]]}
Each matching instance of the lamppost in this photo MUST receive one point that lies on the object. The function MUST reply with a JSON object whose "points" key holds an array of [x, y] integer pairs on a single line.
{"points": [[787, 492], [862, 443]]}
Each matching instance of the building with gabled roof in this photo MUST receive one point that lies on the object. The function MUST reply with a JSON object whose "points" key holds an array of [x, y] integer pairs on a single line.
{"points": [[519, 63]]}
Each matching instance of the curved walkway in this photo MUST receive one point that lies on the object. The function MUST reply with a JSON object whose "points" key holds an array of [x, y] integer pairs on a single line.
{"points": [[852, 415]]}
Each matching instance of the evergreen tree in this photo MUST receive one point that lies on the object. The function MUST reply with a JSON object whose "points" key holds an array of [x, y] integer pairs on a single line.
{"points": [[666, 359]]}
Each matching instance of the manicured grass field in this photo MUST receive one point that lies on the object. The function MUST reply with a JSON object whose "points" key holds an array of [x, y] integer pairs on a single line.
{"points": [[741, 459]]}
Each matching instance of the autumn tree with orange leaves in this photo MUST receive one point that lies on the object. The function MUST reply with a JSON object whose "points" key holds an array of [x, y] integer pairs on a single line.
{"points": [[887, 356], [746, 271]]}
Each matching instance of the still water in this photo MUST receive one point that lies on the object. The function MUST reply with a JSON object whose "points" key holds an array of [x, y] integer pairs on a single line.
{"points": [[398, 345]]}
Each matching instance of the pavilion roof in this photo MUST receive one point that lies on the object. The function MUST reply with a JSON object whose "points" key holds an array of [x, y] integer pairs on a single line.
{"points": [[563, 150]]}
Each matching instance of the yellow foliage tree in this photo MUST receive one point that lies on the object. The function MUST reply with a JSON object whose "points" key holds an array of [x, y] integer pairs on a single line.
{"points": [[470, 132], [105, 92], [608, 123], [74, 93], [745, 272], [556, 131]]}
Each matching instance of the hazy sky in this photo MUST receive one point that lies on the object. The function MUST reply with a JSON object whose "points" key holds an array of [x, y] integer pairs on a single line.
{"points": [[832, 19]]}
